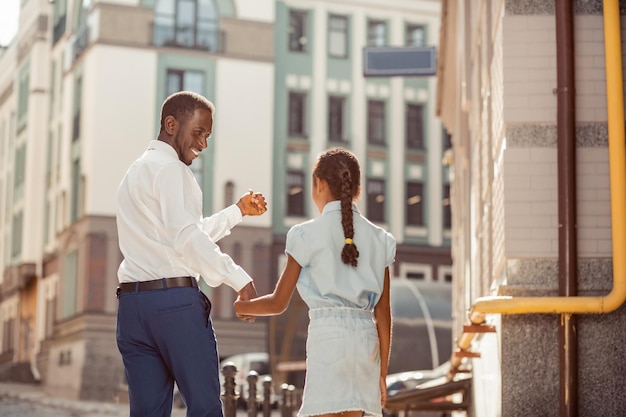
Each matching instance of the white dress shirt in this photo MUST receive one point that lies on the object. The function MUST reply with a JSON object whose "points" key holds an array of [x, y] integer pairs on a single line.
{"points": [[160, 226]]}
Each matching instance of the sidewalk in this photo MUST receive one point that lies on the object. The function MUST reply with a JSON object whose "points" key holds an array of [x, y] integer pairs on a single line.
{"points": [[34, 394]]}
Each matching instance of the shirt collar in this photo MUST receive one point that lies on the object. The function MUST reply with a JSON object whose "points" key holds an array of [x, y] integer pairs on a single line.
{"points": [[161, 146], [336, 206]]}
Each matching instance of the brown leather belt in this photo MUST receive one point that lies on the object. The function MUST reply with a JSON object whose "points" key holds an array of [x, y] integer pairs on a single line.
{"points": [[157, 284]]}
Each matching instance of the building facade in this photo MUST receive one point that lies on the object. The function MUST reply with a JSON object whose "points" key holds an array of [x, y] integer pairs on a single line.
{"points": [[323, 100], [500, 91], [80, 91]]}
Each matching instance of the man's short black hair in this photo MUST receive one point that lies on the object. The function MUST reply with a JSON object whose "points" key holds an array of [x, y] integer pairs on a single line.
{"points": [[182, 105]]}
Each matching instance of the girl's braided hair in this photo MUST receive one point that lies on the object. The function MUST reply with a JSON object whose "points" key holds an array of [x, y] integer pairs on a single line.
{"points": [[340, 169]]}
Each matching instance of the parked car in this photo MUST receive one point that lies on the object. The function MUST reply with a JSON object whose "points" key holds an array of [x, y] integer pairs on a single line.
{"points": [[411, 379], [403, 381]]}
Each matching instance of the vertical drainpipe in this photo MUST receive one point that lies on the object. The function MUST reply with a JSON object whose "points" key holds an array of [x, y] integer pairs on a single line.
{"points": [[566, 159]]}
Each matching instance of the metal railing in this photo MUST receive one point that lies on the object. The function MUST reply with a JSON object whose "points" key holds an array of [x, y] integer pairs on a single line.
{"points": [[287, 399], [189, 37], [444, 398]]}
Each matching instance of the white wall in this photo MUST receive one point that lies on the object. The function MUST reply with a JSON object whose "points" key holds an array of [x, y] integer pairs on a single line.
{"points": [[119, 119], [243, 131]]}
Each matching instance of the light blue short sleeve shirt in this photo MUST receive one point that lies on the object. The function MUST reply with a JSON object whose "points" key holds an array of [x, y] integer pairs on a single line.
{"points": [[325, 281]]}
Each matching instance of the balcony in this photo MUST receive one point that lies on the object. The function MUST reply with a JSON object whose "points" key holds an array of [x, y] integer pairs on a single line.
{"points": [[189, 37]]}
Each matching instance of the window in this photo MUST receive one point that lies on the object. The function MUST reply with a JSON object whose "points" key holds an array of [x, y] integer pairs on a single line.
{"points": [[50, 316], [184, 80], [415, 35], [186, 24], [8, 332], [60, 13], [376, 200], [297, 31], [336, 111], [414, 126], [376, 33], [297, 108], [76, 191], [338, 36], [81, 29], [420, 276], [414, 204], [19, 178], [22, 97], [70, 280], [447, 140], [17, 231], [229, 194], [447, 211], [78, 93], [376, 122], [295, 193], [53, 78]]}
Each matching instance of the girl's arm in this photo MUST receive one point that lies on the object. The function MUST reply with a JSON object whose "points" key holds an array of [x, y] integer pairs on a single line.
{"points": [[382, 315], [276, 302]]}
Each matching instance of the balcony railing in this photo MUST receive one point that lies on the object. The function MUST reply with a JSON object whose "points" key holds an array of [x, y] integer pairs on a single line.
{"points": [[190, 37]]}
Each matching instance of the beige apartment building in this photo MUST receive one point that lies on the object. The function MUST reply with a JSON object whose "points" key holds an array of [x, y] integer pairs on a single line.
{"points": [[523, 93], [81, 86]]}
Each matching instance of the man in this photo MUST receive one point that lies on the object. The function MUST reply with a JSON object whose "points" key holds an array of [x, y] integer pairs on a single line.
{"points": [[164, 331]]}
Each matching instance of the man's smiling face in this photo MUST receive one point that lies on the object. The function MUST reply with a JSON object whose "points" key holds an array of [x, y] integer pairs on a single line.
{"points": [[192, 135]]}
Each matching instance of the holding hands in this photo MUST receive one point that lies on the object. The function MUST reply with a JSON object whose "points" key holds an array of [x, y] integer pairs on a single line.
{"points": [[246, 293], [252, 204]]}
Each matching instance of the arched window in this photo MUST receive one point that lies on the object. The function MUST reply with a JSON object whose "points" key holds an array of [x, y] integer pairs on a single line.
{"points": [[186, 24], [229, 194]]}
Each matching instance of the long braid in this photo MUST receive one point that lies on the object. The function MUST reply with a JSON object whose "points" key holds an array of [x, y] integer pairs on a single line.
{"points": [[349, 253], [340, 169]]}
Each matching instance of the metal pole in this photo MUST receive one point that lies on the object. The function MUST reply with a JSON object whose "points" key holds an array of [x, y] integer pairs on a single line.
{"points": [[566, 160]]}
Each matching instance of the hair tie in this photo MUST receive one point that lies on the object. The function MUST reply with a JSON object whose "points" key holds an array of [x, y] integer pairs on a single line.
{"points": [[348, 241]]}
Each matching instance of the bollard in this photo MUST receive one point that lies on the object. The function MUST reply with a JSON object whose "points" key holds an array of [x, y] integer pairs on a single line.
{"points": [[229, 398], [292, 399], [284, 404], [267, 396], [253, 377]]}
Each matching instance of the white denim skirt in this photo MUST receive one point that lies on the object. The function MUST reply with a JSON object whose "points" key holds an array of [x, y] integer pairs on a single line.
{"points": [[342, 364]]}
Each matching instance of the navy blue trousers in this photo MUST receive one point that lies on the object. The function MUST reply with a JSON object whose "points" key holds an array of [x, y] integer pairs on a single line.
{"points": [[166, 335]]}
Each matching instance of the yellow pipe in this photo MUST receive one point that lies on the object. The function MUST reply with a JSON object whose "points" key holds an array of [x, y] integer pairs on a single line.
{"points": [[617, 161]]}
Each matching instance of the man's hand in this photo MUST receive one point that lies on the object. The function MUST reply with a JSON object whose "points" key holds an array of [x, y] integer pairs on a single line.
{"points": [[246, 293], [252, 204]]}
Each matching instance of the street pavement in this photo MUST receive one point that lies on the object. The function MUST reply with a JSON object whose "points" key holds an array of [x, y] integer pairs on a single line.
{"points": [[29, 400]]}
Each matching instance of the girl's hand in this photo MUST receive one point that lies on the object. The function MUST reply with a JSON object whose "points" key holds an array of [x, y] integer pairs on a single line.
{"points": [[383, 391]]}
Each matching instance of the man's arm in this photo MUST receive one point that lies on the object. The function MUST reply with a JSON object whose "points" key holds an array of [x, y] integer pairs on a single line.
{"points": [[219, 224]]}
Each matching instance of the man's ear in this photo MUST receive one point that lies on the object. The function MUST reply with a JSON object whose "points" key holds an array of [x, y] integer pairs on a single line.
{"points": [[171, 125]]}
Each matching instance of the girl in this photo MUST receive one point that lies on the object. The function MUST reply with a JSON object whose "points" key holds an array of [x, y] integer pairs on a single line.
{"points": [[342, 273]]}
